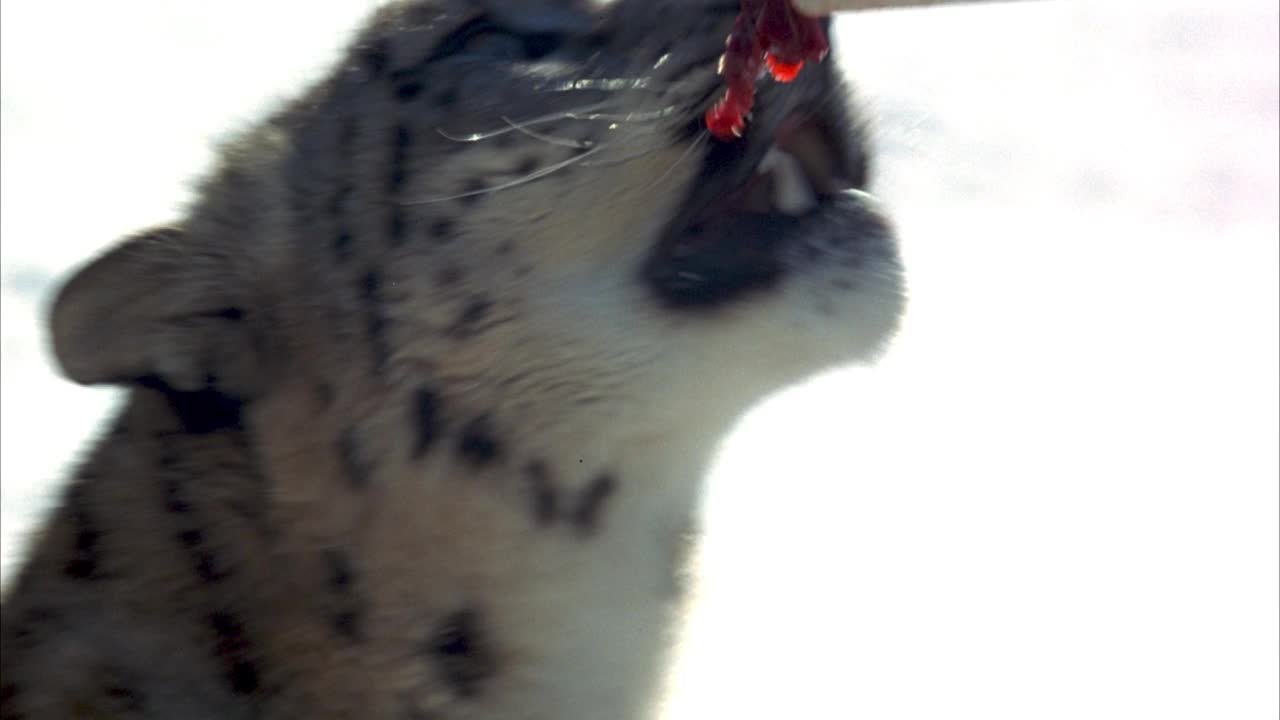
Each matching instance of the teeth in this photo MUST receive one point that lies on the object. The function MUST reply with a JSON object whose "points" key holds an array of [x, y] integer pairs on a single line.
{"points": [[792, 193]]}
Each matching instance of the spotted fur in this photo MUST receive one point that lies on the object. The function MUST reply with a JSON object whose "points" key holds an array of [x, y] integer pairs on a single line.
{"points": [[421, 390]]}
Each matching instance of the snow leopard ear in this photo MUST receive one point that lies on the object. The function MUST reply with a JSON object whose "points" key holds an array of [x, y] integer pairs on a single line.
{"points": [[158, 310]]}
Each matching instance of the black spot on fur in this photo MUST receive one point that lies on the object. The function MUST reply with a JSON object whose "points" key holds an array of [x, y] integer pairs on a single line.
{"points": [[472, 191], [207, 568], [461, 653], [167, 459], [408, 90], [546, 498], [442, 230], [586, 513], [347, 623], [469, 319], [174, 502], [540, 45], [8, 702], [341, 576], [342, 246], [375, 318], [426, 420], [376, 57], [124, 697], [192, 538], [203, 562], [85, 555], [35, 622], [527, 166], [354, 465], [342, 580], [235, 652], [401, 140], [477, 444], [395, 227]]}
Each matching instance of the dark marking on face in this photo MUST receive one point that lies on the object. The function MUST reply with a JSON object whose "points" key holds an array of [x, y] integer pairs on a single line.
{"points": [[375, 318], [342, 246], [442, 230], [191, 538], [8, 698], [347, 624], [586, 513], [174, 502], [354, 465], [395, 226], [407, 90], [401, 141], [426, 420], [477, 444], [472, 191], [206, 568], [545, 495], [33, 624], [469, 319], [123, 696], [85, 553], [341, 576], [342, 579], [235, 652], [527, 166], [375, 57], [461, 652]]}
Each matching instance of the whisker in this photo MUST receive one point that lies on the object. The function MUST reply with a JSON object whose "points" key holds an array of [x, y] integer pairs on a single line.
{"points": [[630, 117], [584, 113], [702, 136], [549, 139], [537, 120], [543, 172], [621, 159], [615, 85]]}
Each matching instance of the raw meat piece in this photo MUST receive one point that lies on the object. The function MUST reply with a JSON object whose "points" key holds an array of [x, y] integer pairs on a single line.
{"points": [[766, 34]]}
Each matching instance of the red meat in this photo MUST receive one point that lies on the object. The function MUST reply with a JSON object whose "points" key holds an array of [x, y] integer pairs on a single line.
{"points": [[766, 34]]}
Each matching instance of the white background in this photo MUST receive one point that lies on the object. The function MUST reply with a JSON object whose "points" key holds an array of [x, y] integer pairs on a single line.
{"points": [[1057, 497]]}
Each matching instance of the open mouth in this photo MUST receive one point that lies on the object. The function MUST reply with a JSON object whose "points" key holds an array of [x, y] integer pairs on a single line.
{"points": [[749, 201]]}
